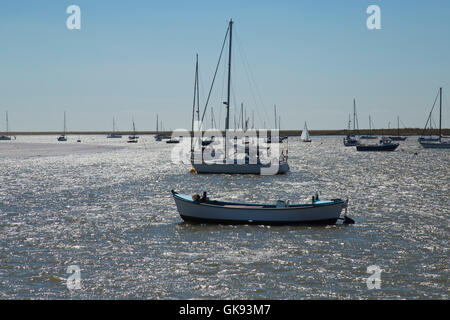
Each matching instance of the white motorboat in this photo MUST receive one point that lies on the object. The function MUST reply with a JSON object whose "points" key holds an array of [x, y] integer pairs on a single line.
{"points": [[204, 210]]}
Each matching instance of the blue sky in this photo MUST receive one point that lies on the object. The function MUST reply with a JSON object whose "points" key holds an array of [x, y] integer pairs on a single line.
{"points": [[136, 58]]}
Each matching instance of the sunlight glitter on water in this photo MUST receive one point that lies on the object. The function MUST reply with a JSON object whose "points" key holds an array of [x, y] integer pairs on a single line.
{"points": [[106, 207]]}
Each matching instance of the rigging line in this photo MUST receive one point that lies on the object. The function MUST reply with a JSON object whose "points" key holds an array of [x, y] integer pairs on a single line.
{"points": [[403, 124], [233, 91], [200, 82], [224, 77], [245, 60], [215, 73], [246, 69], [445, 102], [431, 112]]}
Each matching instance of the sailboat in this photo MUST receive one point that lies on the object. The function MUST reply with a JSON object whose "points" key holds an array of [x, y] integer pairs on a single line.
{"points": [[429, 138], [350, 140], [160, 136], [398, 137], [370, 135], [63, 136], [157, 135], [114, 135], [222, 165], [305, 134], [133, 138], [277, 127], [6, 137], [439, 144]]}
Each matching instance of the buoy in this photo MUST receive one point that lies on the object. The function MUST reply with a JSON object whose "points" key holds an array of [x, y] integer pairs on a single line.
{"points": [[192, 170]]}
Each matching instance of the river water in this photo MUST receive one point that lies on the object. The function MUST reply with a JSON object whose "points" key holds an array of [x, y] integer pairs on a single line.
{"points": [[105, 207]]}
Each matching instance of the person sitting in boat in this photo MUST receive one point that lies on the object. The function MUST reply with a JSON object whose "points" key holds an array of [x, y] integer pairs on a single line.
{"points": [[196, 197], [204, 198]]}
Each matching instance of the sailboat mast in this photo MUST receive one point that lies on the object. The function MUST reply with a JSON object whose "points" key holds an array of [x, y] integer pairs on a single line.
{"points": [[354, 115], [275, 110], [242, 115], [227, 122], [193, 103], [64, 123], [398, 126], [253, 120], [440, 113]]}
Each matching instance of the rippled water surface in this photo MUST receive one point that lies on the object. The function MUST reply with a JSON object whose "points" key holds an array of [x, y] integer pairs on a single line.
{"points": [[106, 207]]}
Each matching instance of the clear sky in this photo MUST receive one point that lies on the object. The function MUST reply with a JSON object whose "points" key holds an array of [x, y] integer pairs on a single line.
{"points": [[137, 59]]}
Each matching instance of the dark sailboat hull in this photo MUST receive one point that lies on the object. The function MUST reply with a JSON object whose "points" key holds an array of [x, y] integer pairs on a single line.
{"points": [[395, 138], [385, 147], [435, 145]]}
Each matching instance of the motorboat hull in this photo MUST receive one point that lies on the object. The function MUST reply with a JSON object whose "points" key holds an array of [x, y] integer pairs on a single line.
{"points": [[319, 212]]}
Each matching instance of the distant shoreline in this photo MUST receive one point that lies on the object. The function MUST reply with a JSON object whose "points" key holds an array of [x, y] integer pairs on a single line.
{"points": [[378, 132]]}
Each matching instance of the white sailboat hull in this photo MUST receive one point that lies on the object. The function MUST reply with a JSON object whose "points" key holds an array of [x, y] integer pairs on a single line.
{"points": [[218, 168]]}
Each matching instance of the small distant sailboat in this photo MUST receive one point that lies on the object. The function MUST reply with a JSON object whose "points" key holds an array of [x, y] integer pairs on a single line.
{"points": [[160, 136], [350, 140], [439, 144], [133, 138], [370, 135], [6, 137], [63, 136], [305, 134], [398, 137], [429, 138], [157, 135], [114, 135]]}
